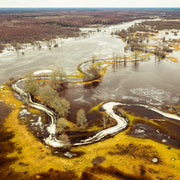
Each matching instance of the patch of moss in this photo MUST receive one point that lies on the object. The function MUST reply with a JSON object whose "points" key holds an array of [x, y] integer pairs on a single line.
{"points": [[96, 108]]}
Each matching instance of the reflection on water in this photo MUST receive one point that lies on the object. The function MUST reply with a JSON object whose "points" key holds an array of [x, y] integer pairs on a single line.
{"points": [[148, 82]]}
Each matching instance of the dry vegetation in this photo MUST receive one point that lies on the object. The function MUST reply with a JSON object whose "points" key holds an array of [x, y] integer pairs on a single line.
{"points": [[161, 25], [33, 25]]}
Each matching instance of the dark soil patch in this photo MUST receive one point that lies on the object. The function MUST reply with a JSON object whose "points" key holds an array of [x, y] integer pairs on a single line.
{"points": [[4, 110], [141, 112], [90, 173], [167, 132], [98, 160], [6, 146], [139, 151], [55, 175]]}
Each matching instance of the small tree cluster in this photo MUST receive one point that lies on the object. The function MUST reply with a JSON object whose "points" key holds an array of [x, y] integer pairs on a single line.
{"points": [[58, 77], [51, 97], [61, 124], [31, 86], [91, 74]]}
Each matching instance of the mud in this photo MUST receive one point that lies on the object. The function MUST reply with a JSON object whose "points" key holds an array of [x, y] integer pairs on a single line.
{"points": [[147, 153], [53, 174], [161, 134], [113, 172]]}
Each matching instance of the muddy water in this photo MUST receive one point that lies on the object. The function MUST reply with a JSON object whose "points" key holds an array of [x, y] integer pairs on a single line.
{"points": [[71, 53], [151, 82]]}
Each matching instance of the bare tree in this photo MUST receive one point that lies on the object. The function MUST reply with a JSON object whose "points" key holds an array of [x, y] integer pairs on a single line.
{"points": [[65, 139], [93, 57], [136, 55], [91, 74]]}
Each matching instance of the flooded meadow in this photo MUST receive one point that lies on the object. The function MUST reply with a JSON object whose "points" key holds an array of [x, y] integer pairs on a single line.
{"points": [[147, 89]]}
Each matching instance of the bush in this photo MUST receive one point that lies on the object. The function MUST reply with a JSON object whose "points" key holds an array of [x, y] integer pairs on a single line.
{"points": [[48, 94], [31, 86], [91, 74], [61, 106], [61, 124], [51, 97]]}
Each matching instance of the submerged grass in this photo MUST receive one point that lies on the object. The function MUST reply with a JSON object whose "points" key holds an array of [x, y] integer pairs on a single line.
{"points": [[96, 108], [173, 59]]}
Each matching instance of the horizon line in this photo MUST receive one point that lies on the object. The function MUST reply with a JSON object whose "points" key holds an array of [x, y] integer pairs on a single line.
{"points": [[90, 7]]}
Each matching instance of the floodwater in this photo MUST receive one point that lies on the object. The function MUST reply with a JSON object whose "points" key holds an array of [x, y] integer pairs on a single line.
{"points": [[68, 55], [152, 82]]}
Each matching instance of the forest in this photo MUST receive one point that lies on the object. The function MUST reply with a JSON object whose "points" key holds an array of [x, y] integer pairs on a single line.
{"points": [[34, 25]]}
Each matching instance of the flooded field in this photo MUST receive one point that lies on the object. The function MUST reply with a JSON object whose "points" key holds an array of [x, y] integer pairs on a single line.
{"points": [[140, 85]]}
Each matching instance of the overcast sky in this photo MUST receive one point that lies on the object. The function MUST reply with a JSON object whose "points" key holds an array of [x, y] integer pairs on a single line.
{"points": [[89, 3]]}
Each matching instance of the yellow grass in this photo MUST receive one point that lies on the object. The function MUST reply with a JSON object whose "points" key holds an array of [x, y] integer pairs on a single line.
{"points": [[39, 158], [76, 74], [173, 59], [176, 47]]}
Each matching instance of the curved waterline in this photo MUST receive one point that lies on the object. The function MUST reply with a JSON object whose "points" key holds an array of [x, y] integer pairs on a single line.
{"points": [[54, 142], [122, 122]]}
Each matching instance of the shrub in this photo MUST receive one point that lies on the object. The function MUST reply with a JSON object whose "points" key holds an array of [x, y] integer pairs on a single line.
{"points": [[61, 124], [81, 118], [91, 74], [51, 97], [31, 86], [61, 106]]}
